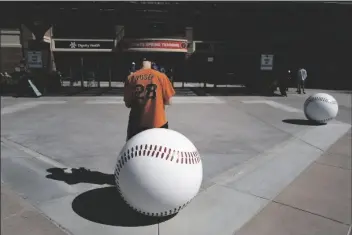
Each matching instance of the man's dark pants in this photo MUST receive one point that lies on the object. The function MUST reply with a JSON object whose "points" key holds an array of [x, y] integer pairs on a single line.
{"points": [[133, 129]]}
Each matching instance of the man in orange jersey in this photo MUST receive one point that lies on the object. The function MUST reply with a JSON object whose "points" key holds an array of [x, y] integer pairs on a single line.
{"points": [[146, 93]]}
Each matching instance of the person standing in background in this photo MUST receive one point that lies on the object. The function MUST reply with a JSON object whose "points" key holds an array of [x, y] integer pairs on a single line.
{"points": [[170, 75], [283, 84], [301, 78], [155, 66], [162, 70], [133, 68], [289, 79]]}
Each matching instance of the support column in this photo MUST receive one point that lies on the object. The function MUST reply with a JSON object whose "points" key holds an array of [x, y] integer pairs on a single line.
{"points": [[189, 37], [26, 37], [119, 35], [51, 60], [190, 50], [40, 47]]}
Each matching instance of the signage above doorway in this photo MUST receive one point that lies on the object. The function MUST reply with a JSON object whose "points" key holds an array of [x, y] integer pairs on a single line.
{"points": [[266, 62], [88, 45], [34, 59], [155, 45]]}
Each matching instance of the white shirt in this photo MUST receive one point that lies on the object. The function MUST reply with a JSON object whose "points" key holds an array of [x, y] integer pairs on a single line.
{"points": [[302, 74]]}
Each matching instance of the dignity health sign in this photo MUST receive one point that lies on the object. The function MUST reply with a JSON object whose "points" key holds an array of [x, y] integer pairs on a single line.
{"points": [[88, 45], [155, 45]]}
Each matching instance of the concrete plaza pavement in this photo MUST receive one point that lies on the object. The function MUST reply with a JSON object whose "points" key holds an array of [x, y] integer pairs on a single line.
{"points": [[261, 171]]}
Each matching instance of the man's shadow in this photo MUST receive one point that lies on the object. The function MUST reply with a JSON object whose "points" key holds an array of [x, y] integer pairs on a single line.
{"points": [[102, 205], [80, 175]]}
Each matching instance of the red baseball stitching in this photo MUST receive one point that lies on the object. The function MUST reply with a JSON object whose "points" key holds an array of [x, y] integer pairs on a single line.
{"points": [[156, 151], [160, 152]]}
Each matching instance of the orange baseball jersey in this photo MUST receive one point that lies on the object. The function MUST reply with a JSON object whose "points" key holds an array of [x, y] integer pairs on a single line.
{"points": [[146, 92]]}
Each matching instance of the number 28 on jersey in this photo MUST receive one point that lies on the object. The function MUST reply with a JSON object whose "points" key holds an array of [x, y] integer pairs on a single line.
{"points": [[145, 92]]}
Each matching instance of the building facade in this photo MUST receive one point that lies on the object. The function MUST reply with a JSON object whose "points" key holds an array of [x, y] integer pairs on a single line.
{"points": [[107, 56], [215, 42]]}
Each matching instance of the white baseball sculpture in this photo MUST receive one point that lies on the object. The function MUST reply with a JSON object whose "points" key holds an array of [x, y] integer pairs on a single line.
{"points": [[321, 108], [158, 172]]}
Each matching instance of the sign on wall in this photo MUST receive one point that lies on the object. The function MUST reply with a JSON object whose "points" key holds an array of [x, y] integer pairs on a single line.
{"points": [[266, 62], [150, 45], [82, 45], [34, 59]]}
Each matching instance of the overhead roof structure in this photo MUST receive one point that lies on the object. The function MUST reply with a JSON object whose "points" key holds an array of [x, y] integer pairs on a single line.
{"points": [[190, 12], [227, 17]]}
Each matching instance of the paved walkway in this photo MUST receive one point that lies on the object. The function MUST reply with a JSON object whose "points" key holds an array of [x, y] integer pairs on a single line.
{"points": [[317, 202], [261, 171], [18, 217]]}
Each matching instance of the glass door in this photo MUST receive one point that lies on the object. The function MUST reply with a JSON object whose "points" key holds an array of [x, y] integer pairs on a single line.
{"points": [[89, 70], [69, 66], [96, 70], [103, 70]]}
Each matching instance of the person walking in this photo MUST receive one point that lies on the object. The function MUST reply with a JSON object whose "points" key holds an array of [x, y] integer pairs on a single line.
{"points": [[301, 78]]}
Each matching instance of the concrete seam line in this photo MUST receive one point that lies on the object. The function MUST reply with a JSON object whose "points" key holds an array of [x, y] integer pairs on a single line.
{"points": [[306, 211], [27, 105], [235, 170], [259, 156], [288, 133], [251, 165], [59, 226], [32, 153], [18, 107]]}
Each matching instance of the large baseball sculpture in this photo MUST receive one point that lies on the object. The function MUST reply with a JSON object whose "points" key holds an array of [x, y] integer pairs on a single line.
{"points": [[321, 108], [158, 172]]}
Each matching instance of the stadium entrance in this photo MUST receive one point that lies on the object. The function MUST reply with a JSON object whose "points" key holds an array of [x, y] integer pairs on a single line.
{"points": [[167, 54], [171, 63], [97, 63], [91, 69], [89, 63]]}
